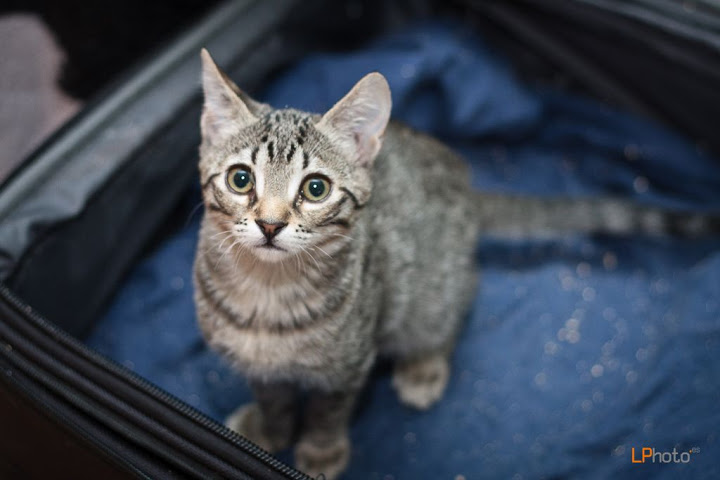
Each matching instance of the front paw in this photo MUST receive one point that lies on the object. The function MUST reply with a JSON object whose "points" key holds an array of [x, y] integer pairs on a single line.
{"points": [[420, 383], [249, 422], [329, 459]]}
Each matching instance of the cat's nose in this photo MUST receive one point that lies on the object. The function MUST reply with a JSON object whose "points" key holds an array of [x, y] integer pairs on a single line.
{"points": [[270, 228]]}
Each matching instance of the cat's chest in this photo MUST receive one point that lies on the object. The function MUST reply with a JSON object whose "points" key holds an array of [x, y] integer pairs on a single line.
{"points": [[304, 354], [275, 307], [260, 351], [284, 333]]}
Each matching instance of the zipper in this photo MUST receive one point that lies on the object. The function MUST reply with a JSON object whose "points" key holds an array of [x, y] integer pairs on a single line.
{"points": [[21, 366], [147, 387]]}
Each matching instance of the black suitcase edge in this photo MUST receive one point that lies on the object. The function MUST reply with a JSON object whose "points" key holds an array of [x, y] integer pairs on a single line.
{"points": [[142, 428]]}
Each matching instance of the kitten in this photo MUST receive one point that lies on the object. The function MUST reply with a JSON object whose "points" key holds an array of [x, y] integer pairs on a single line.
{"points": [[330, 240]]}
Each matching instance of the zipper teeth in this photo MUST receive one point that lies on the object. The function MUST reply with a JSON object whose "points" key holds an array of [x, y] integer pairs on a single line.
{"points": [[152, 389], [55, 386]]}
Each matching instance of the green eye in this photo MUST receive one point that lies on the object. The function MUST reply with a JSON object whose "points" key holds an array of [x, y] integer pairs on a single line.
{"points": [[240, 179], [316, 189]]}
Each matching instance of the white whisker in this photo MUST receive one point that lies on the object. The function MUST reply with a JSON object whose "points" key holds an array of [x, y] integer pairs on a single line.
{"points": [[220, 246], [229, 249], [341, 235], [323, 251], [220, 233], [305, 250], [192, 212]]}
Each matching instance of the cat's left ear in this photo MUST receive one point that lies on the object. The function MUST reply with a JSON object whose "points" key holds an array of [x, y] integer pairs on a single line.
{"points": [[359, 119], [226, 109]]}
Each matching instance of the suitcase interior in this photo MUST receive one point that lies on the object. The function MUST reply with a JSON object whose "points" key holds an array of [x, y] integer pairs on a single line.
{"points": [[114, 185]]}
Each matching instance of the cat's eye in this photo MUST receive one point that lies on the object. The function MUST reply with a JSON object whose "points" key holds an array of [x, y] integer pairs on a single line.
{"points": [[240, 179], [316, 188]]}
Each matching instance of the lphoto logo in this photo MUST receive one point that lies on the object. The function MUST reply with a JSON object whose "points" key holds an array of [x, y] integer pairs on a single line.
{"points": [[652, 455]]}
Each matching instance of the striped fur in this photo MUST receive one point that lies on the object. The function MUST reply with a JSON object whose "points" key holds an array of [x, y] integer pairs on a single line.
{"points": [[520, 216], [355, 275]]}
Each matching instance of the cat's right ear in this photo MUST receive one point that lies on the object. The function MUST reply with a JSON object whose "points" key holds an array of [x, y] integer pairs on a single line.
{"points": [[226, 108]]}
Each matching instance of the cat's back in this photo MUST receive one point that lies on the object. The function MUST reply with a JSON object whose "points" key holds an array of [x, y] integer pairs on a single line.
{"points": [[417, 174], [423, 238]]}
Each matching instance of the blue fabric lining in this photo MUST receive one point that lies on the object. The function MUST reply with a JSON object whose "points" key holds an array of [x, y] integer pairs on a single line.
{"points": [[575, 352]]}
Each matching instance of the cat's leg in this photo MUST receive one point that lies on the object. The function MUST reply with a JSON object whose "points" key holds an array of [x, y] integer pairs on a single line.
{"points": [[420, 380], [427, 337], [324, 445], [270, 420]]}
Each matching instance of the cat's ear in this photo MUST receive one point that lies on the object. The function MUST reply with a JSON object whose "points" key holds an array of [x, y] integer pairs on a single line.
{"points": [[226, 108], [359, 119]]}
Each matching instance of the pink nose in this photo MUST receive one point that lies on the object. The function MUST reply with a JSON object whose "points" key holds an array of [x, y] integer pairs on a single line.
{"points": [[269, 228]]}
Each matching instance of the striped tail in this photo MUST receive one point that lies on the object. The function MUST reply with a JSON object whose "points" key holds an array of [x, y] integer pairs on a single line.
{"points": [[517, 216]]}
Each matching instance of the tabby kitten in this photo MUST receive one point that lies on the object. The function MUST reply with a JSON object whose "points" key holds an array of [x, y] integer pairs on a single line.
{"points": [[302, 277], [328, 240]]}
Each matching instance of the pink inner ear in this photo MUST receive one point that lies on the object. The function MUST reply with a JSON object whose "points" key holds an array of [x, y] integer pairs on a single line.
{"points": [[210, 125], [361, 116], [223, 110]]}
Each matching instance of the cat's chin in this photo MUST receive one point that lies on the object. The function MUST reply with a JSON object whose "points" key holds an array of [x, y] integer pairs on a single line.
{"points": [[270, 255]]}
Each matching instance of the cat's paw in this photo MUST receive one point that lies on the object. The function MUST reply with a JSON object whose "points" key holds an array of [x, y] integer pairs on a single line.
{"points": [[420, 383], [329, 460], [248, 421]]}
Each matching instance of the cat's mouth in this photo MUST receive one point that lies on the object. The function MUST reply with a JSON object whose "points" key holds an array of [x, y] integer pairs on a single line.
{"points": [[270, 246], [269, 252]]}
